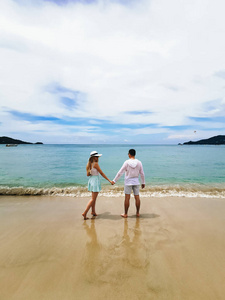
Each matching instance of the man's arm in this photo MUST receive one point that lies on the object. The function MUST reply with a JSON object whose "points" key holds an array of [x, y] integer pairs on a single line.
{"points": [[142, 176], [121, 171]]}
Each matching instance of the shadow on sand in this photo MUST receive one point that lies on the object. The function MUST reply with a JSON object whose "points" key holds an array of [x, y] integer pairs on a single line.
{"points": [[109, 216]]}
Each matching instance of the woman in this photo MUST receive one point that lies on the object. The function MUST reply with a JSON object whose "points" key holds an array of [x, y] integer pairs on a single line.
{"points": [[94, 184]]}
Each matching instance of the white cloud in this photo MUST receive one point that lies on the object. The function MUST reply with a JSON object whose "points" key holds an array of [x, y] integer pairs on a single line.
{"points": [[158, 56]]}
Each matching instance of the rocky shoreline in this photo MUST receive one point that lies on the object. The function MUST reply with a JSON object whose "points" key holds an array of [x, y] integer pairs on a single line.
{"points": [[215, 140], [9, 141]]}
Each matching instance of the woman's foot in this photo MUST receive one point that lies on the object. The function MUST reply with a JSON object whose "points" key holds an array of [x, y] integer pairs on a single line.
{"points": [[94, 214], [85, 218], [137, 215], [124, 215]]}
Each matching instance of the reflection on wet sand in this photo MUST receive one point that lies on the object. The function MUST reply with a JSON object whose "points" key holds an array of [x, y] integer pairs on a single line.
{"points": [[132, 246], [117, 263], [92, 255]]}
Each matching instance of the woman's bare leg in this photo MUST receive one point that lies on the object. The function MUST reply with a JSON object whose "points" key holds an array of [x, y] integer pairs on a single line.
{"points": [[94, 197], [89, 205]]}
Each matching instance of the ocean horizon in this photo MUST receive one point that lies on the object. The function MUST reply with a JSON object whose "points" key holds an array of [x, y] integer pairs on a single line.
{"points": [[60, 169]]}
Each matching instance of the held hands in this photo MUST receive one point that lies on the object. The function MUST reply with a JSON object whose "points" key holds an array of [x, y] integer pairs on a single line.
{"points": [[112, 182]]}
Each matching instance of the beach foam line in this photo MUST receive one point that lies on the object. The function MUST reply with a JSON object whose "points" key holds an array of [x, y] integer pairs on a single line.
{"points": [[189, 191]]}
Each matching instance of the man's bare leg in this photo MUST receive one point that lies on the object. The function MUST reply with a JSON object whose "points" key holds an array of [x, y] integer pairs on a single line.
{"points": [[138, 204], [126, 205]]}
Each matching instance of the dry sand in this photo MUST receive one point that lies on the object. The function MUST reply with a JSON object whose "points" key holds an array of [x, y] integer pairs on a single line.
{"points": [[175, 250]]}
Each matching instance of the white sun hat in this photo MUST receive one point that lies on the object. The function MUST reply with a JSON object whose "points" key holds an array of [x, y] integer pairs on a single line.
{"points": [[95, 153]]}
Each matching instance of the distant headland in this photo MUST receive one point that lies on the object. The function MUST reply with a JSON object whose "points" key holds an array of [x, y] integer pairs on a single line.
{"points": [[215, 140], [8, 141]]}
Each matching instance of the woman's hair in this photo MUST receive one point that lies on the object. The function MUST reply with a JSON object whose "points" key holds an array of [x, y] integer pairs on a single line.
{"points": [[90, 162]]}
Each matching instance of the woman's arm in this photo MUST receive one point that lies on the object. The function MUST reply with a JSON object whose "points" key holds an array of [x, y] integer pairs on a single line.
{"points": [[97, 167]]}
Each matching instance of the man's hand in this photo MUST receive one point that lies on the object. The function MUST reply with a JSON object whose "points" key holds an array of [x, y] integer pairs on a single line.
{"points": [[112, 182], [143, 186]]}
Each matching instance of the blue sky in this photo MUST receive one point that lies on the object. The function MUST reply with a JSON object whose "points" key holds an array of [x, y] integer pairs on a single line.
{"points": [[113, 71]]}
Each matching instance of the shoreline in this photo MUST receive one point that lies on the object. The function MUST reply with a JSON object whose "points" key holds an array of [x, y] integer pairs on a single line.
{"points": [[164, 190], [175, 250]]}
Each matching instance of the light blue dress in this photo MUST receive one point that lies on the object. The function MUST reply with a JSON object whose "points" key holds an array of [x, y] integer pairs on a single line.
{"points": [[94, 183]]}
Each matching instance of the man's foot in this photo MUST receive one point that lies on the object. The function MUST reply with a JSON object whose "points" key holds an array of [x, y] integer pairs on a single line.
{"points": [[85, 218], [124, 215], [94, 214], [137, 215]]}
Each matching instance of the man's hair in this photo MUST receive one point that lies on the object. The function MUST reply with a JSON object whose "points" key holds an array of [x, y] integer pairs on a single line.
{"points": [[132, 152]]}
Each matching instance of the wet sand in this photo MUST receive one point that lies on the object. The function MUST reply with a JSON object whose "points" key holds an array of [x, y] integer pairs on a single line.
{"points": [[175, 250]]}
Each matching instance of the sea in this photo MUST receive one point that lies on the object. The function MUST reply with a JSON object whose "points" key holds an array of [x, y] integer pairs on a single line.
{"points": [[170, 170]]}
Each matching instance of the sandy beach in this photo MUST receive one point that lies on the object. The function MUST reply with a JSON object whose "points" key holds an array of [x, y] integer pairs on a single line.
{"points": [[175, 250]]}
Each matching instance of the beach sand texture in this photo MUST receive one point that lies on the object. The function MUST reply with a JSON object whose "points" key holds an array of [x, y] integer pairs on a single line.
{"points": [[175, 250]]}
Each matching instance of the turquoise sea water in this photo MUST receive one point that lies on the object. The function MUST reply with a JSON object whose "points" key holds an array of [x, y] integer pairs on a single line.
{"points": [[60, 169]]}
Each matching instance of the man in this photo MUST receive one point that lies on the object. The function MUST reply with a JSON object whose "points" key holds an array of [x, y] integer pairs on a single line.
{"points": [[132, 168]]}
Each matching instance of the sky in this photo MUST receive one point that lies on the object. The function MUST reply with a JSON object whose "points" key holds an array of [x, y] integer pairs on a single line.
{"points": [[113, 71]]}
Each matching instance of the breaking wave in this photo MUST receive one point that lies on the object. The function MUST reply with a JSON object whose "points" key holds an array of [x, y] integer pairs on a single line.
{"points": [[189, 191]]}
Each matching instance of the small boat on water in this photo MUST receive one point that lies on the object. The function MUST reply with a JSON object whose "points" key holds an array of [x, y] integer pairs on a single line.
{"points": [[11, 145]]}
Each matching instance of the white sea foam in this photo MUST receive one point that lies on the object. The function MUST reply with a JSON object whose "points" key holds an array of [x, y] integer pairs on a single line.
{"points": [[188, 191]]}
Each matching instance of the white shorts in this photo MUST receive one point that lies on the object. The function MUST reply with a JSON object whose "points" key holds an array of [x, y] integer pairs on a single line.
{"points": [[128, 189]]}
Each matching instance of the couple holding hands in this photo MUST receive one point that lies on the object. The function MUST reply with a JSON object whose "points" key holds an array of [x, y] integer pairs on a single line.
{"points": [[132, 169]]}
